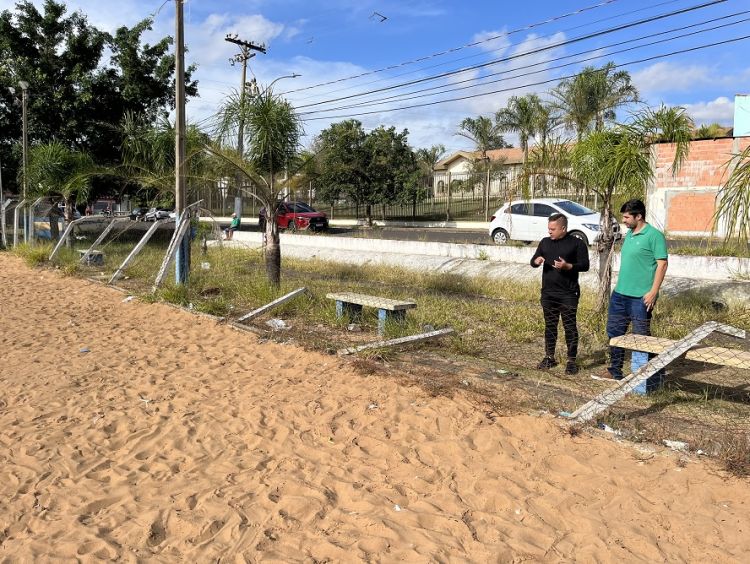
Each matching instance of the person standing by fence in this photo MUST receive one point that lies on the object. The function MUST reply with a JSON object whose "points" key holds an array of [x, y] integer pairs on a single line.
{"points": [[561, 257], [643, 265]]}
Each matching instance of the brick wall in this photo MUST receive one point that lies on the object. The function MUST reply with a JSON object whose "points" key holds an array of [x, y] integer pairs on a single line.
{"points": [[684, 203]]}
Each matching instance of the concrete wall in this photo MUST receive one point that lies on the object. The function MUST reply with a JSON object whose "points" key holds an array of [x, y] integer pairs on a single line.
{"points": [[692, 267], [685, 203]]}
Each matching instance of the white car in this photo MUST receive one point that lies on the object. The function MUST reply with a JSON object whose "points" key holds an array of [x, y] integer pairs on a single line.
{"points": [[526, 220]]}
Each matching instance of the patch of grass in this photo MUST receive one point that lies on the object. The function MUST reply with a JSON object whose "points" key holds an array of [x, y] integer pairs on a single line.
{"points": [[34, 255]]}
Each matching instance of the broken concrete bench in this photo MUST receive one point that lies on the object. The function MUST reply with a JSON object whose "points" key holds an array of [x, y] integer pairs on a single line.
{"points": [[721, 356], [350, 304]]}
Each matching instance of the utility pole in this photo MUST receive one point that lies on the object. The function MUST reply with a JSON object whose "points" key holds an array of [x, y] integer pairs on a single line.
{"points": [[182, 258], [246, 53], [25, 150]]}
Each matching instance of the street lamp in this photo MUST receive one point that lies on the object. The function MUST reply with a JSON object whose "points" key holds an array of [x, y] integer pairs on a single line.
{"points": [[24, 148], [274, 81]]}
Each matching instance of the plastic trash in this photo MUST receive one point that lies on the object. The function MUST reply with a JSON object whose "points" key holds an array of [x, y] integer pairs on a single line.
{"points": [[678, 446], [277, 324], [397, 507], [128, 299], [206, 265], [85, 350]]}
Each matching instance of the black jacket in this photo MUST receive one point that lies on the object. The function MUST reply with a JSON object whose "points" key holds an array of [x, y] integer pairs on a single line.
{"points": [[562, 284]]}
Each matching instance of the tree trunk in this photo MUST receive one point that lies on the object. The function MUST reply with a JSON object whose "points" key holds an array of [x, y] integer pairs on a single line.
{"points": [[368, 213], [69, 210], [54, 223], [605, 248], [273, 254]]}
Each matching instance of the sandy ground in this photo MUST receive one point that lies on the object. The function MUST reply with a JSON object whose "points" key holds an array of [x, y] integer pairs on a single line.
{"points": [[178, 439]]}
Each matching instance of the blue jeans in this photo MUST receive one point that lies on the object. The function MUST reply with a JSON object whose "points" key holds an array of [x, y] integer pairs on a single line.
{"points": [[624, 311]]}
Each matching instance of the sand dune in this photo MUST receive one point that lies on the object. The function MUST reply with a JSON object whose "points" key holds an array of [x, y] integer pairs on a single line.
{"points": [[178, 439]]}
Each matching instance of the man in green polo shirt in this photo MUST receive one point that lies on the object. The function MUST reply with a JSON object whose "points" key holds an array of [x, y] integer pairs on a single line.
{"points": [[643, 264]]}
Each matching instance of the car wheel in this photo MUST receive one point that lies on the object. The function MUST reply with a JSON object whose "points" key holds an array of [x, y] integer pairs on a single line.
{"points": [[292, 227], [500, 236], [581, 236]]}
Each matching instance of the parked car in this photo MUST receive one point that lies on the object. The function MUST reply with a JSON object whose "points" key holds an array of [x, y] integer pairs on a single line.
{"points": [[156, 213], [138, 214], [526, 220], [294, 216]]}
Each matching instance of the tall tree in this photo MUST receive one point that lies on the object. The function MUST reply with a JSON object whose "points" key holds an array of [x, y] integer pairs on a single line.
{"points": [[273, 131], [615, 163], [734, 202], [60, 173], [522, 115], [342, 162], [427, 159], [484, 133], [593, 97], [76, 94], [391, 172]]}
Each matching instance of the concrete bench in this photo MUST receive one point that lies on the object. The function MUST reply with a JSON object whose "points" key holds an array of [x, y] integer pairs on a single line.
{"points": [[656, 345], [94, 258], [350, 304]]}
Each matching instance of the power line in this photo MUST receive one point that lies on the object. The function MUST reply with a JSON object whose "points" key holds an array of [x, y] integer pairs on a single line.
{"points": [[456, 49], [519, 55], [475, 55], [443, 90], [539, 83]]}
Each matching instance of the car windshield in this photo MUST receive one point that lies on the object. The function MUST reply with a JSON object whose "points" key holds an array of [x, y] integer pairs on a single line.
{"points": [[299, 207], [573, 208]]}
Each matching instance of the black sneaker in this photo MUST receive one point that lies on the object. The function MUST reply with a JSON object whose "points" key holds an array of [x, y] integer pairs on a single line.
{"points": [[571, 368], [547, 362]]}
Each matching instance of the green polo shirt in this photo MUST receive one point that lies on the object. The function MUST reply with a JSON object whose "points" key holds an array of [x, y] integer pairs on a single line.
{"points": [[638, 257]]}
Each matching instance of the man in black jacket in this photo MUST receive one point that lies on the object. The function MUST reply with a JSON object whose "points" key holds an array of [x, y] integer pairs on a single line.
{"points": [[561, 257]]}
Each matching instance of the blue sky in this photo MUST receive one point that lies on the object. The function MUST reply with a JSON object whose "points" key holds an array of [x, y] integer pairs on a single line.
{"points": [[325, 40]]}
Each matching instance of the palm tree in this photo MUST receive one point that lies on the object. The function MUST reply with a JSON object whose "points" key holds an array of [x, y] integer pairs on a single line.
{"points": [[273, 130], [734, 206], [148, 154], [60, 173], [486, 136], [427, 159], [593, 95], [522, 115], [615, 163]]}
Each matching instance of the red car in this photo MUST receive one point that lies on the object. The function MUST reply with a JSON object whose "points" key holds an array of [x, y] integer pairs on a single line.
{"points": [[296, 216]]}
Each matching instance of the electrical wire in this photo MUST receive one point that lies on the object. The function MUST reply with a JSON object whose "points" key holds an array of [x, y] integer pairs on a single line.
{"points": [[443, 90], [539, 83], [571, 41], [475, 55], [456, 49]]}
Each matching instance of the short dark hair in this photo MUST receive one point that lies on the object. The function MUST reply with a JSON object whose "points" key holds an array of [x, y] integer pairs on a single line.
{"points": [[560, 217], [634, 207]]}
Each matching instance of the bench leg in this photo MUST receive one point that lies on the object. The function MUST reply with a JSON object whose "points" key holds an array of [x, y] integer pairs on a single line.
{"points": [[384, 315], [353, 312]]}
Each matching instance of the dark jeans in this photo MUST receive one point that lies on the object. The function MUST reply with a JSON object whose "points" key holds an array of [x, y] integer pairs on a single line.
{"points": [[554, 309], [624, 311]]}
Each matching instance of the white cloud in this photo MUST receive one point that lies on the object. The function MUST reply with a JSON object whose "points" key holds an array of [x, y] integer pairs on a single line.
{"points": [[720, 110], [496, 46], [670, 77]]}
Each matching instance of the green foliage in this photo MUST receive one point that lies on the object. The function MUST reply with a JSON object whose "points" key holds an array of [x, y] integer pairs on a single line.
{"points": [[524, 115], [76, 93], [593, 96], [148, 156], [484, 133], [367, 168], [734, 205], [56, 170]]}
